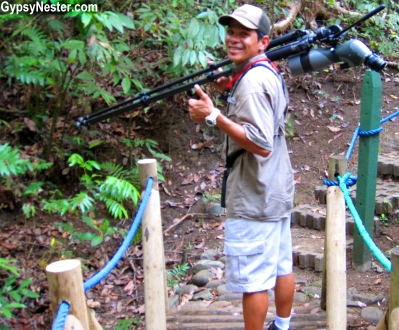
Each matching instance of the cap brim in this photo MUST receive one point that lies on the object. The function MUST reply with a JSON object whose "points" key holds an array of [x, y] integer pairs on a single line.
{"points": [[225, 20]]}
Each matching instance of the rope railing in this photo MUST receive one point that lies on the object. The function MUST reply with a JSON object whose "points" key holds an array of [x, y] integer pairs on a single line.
{"points": [[62, 313], [348, 180], [359, 224], [64, 307], [358, 133]]}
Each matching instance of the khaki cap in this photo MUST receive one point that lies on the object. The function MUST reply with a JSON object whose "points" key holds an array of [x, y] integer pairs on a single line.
{"points": [[250, 16]]}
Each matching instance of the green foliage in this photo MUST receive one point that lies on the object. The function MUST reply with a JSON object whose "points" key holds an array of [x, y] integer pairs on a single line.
{"points": [[11, 166], [209, 198], [11, 294], [127, 324], [11, 163], [101, 229], [113, 190], [151, 145], [289, 127], [173, 276], [188, 30]]}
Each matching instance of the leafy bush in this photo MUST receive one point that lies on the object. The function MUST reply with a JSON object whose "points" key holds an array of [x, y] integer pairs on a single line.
{"points": [[12, 294], [173, 276], [11, 166], [113, 191]]}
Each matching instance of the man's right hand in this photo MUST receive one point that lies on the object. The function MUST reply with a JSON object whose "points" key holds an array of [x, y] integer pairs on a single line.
{"points": [[201, 108]]}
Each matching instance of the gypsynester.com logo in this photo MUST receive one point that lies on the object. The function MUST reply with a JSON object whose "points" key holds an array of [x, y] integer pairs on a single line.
{"points": [[40, 7]]}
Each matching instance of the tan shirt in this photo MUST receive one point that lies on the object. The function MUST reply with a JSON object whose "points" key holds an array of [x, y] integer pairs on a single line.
{"points": [[260, 188]]}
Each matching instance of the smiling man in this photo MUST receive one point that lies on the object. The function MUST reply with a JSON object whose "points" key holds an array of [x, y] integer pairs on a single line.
{"points": [[258, 188]]}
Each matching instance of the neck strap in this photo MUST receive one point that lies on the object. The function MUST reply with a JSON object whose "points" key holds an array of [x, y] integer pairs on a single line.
{"points": [[247, 67]]}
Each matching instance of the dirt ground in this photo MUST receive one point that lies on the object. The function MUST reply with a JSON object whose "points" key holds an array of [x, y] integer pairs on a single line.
{"points": [[323, 115]]}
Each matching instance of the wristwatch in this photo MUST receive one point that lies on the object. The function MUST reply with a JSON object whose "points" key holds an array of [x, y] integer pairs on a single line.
{"points": [[211, 119]]}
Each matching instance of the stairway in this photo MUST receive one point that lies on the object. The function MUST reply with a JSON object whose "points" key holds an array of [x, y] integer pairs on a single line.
{"points": [[226, 313]]}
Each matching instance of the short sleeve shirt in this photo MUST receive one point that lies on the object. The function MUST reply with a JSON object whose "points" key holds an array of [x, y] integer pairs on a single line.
{"points": [[260, 188]]}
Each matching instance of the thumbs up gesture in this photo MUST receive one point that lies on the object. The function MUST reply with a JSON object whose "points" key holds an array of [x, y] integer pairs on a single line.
{"points": [[199, 109]]}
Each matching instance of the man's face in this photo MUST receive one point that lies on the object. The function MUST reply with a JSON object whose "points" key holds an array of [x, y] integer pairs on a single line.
{"points": [[242, 43]]}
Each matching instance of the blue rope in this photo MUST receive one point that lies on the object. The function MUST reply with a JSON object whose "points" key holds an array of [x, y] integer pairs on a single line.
{"points": [[62, 313], [352, 144], [390, 117], [350, 181], [357, 132], [132, 231], [359, 224], [371, 132]]}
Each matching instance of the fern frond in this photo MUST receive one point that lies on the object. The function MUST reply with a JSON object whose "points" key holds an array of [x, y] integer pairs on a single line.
{"points": [[10, 162], [56, 25], [119, 190], [83, 201], [60, 206], [19, 67], [118, 171], [34, 33], [116, 209]]}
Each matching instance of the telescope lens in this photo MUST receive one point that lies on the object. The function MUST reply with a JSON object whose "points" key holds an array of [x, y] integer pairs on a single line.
{"points": [[375, 62]]}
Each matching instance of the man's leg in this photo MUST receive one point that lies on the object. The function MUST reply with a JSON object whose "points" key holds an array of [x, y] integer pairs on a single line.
{"points": [[255, 307], [284, 294]]}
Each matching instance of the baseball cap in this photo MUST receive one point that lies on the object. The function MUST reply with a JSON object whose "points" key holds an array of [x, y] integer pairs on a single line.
{"points": [[250, 16]]}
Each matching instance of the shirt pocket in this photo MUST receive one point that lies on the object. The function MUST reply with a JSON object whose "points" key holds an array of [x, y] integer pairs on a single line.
{"points": [[244, 259]]}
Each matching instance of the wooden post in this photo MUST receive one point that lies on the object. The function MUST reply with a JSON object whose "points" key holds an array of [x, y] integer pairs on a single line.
{"points": [[335, 249], [370, 113], [72, 323], [65, 283], [155, 293], [393, 317]]}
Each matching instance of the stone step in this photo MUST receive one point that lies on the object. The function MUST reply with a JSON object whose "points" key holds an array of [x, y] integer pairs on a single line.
{"points": [[388, 165], [314, 217], [386, 199], [231, 318]]}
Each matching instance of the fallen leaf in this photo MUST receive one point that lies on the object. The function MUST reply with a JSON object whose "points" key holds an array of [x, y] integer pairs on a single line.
{"points": [[171, 204], [93, 304], [201, 245], [184, 300], [141, 309], [214, 224], [188, 180], [129, 288], [314, 310], [91, 40], [166, 191], [334, 129], [360, 304], [30, 124], [393, 96], [335, 137], [218, 272]]}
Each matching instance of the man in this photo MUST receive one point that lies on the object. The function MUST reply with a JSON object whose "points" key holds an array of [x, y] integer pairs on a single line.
{"points": [[260, 184]]}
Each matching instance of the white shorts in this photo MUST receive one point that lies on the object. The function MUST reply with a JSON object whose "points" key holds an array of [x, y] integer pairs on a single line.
{"points": [[256, 253]]}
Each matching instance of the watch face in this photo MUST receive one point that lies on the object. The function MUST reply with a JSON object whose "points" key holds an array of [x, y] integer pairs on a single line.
{"points": [[210, 122]]}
